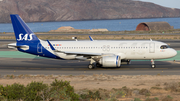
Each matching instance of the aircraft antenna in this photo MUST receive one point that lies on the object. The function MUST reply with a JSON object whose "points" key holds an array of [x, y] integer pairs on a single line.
{"points": [[75, 38]]}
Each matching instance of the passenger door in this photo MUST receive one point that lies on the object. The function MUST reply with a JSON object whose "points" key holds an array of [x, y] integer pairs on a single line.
{"points": [[152, 47]]}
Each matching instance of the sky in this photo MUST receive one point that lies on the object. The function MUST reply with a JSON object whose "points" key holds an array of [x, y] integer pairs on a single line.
{"points": [[166, 3]]}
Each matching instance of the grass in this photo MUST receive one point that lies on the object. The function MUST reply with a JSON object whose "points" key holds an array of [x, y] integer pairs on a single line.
{"points": [[167, 98], [173, 87], [102, 37], [111, 32], [124, 32], [158, 88], [117, 35], [152, 99]]}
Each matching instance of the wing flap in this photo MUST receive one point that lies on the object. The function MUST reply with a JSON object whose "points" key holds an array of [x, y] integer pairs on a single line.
{"points": [[74, 53], [82, 54]]}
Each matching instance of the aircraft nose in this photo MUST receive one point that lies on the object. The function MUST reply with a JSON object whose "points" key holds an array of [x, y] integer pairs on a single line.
{"points": [[174, 53]]}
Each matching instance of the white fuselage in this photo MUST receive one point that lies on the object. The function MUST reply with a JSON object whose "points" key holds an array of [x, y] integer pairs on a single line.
{"points": [[125, 49]]}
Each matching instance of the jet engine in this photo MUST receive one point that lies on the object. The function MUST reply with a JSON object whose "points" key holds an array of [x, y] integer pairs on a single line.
{"points": [[110, 61]]}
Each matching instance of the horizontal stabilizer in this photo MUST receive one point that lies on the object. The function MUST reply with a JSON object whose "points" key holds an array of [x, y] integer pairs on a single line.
{"points": [[13, 45]]}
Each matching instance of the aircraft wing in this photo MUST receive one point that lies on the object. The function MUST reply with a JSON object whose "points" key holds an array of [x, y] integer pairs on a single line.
{"points": [[82, 54]]}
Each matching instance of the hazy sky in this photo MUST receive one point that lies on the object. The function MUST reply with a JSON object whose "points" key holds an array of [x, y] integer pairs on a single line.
{"points": [[166, 3]]}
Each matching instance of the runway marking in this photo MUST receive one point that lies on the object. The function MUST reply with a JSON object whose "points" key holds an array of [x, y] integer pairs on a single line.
{"points": [[67, 68], [141, 68], [84, 69], [51, 68], [72, 62], [125, 69], [13, 68], [161, 68], [175, 62], [175, 68], [76, 61], [20, 67], [35, 68]]}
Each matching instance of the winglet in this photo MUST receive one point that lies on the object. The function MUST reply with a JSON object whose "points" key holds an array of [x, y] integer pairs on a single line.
{"points": [[91, 38], [51, 45]]}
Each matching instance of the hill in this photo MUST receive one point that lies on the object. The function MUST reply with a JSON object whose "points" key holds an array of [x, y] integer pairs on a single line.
{"points": [[65, 10]]}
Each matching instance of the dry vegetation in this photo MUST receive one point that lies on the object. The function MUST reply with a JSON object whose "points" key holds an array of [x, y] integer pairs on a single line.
{"points": [[105, 35], [111, 87], [114, 37]]}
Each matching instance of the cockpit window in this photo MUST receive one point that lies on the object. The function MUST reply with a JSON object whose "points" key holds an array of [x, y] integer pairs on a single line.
{"points": [[164, 47]]}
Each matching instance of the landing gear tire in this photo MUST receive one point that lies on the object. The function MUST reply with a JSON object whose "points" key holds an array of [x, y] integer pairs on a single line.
{"points": [[119, 67], [98, 65], [153, 66], [128, 62], [91, 66]]}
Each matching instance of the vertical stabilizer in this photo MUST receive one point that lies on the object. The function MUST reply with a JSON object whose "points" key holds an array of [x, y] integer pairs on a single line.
{"points": [[22, 32]]}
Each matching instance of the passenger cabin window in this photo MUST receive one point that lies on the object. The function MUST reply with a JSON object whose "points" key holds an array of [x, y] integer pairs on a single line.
{"points": [[164, 47]]}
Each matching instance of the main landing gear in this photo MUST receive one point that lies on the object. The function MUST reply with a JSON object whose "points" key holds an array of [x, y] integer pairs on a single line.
{"points": [[93, 64], [98, 65], [128, 62], [153, 64]]}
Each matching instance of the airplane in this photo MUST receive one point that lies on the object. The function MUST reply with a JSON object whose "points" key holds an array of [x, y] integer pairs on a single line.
{"points": [[100, 53]]}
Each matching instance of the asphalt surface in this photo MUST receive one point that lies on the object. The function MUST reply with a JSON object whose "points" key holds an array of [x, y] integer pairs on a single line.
{"points": [[73, 67], [37, 66]]}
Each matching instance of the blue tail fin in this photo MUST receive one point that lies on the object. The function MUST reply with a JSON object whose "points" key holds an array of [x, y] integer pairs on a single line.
{"points": [[22, 32]]}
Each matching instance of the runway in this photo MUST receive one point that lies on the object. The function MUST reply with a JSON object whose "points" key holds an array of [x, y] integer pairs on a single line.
{"points": [[36, 66], [73, 67]]}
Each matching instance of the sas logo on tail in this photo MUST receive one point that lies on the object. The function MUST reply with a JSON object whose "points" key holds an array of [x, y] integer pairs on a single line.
{"points": [[25, 37]]}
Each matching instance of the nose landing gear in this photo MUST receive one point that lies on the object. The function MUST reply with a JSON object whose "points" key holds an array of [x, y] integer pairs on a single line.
{"points": [[153, 64]]}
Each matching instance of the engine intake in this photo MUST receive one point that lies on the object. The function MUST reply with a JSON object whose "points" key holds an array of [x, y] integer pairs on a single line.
{"points": [[110, 61]]}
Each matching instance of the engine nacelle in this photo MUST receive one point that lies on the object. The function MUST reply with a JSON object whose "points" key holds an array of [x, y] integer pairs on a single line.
{"points": [[110, 61]]}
